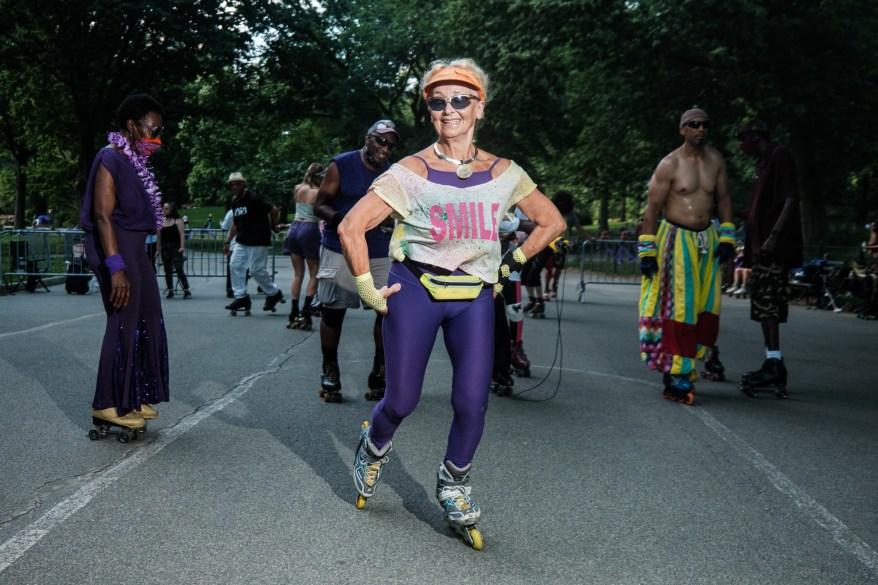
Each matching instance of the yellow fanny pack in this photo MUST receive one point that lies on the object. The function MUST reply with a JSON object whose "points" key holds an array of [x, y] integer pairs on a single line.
{"points": [[447, 288]]}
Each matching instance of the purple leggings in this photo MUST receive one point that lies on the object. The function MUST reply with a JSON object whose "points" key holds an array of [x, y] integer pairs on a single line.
{"points": [[410, 327]]}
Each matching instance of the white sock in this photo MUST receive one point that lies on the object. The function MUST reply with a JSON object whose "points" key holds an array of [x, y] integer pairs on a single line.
{"points": [[773, 355]]}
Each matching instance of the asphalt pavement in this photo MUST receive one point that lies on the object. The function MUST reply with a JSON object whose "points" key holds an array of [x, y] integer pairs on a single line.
{"points": [[586, 476]]}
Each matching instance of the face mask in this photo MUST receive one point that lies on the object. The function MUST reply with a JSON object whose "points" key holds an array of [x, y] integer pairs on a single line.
{"points": [[147, 146], [749, 145]]}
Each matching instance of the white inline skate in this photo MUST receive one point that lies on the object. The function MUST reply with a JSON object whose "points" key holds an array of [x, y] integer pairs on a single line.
{"points": [[461, 512], [367, 466]]}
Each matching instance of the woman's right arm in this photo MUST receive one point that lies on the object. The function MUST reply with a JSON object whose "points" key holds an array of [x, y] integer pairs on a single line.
{"points": [[104, 205]]}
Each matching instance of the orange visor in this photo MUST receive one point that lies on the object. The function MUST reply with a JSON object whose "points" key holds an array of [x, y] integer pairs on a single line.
{"points": [[454, 74]]}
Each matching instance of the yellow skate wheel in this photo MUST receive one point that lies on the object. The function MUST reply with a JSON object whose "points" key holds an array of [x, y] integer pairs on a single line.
{"points": [[476, 538], [361, 502]]}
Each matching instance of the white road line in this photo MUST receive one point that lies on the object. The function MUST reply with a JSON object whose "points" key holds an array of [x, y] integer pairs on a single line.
{"points": [[18, 545], [50, 325], [846, 539], [843, 535]]}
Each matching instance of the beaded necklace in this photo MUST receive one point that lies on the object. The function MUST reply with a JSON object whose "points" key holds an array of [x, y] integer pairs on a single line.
{"points": [[138, 161]]}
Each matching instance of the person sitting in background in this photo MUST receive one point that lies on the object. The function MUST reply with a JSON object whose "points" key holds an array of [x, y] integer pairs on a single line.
{"points": [[740, 276]]}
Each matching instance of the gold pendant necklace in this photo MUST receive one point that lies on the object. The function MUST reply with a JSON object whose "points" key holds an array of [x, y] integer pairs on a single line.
{"points": [[463, 169]]}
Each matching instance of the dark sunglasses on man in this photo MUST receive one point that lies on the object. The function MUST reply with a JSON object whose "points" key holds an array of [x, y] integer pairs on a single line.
{"points": [[381, 141], [696, 124]]}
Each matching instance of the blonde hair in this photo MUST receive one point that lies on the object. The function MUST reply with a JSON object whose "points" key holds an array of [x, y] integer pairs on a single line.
{"points": [[463, 63], [311, 177]]}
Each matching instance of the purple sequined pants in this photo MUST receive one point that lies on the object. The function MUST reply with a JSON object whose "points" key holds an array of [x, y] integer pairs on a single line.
{"points": [[133, 367], [410, 328]]}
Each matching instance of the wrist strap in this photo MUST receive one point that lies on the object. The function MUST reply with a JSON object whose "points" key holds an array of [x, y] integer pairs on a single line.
{"points": [[646, 246], [727, 233], [115, 263]]}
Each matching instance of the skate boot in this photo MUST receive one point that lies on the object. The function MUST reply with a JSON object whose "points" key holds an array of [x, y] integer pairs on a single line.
{"points": [[502, 383], [242, 304], [713, 370], [315, 309], [679, 389], [305, 322], [539, 310], [377, 383], [293, 321], [367, 466], [461, 512], [531, 303], [773, 373], [130, 425], [330, 383], [146, 412], [520, 363], [272, 301]]}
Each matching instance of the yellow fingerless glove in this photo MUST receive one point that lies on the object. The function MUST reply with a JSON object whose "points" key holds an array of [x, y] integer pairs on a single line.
{"points": [[368, 292]]}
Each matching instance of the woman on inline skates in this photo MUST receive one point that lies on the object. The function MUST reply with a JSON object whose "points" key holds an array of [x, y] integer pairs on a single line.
{"points": [[448, 200]]}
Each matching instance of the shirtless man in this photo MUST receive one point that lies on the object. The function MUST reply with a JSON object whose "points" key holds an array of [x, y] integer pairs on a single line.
{"points": [[680, 257]]}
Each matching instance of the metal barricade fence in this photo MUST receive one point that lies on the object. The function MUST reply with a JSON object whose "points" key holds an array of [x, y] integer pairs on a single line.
{"points": [[607, 262], [30, 255]]}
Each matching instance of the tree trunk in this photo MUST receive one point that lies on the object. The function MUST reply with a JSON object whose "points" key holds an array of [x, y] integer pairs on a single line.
{"points": [[20, 195], [811, 187], [604, 213]]}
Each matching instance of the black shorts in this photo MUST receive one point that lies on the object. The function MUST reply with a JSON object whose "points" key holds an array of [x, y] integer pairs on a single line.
{"points": [[769, 292]]}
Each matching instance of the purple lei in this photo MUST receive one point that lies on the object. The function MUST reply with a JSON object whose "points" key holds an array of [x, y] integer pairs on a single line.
{"points": [[138, 161]]}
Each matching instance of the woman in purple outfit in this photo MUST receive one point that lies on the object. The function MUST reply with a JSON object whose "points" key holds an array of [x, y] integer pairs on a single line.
{"points": [[448, 201], [121, 206]]}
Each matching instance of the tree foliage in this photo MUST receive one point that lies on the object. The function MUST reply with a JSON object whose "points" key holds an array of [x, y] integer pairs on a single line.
{"points": [[586, 94]]}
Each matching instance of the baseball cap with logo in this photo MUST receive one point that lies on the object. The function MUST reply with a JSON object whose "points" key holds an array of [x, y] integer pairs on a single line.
{"points": [[383, 127]]}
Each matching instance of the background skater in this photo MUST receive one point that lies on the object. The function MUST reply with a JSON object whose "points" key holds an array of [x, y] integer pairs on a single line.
{"points": [[347, 179], [252, 226], [681, 289], [772, 246]]}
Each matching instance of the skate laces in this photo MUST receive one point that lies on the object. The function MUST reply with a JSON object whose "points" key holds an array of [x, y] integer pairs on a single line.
{"points": [[456, 497]]}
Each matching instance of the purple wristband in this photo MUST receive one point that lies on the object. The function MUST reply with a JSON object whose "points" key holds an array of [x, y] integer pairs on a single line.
{"points": [[115, 263]]}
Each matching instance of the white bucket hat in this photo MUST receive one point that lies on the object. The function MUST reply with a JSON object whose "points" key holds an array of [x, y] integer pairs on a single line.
{"points": [[236, 176]]}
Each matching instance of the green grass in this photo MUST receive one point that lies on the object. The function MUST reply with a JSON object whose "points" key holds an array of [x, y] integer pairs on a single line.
{"points": [[197, 216]]}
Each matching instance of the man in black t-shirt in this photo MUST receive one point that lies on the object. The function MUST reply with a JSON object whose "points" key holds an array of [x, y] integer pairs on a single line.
{"points": [[254, 222]]}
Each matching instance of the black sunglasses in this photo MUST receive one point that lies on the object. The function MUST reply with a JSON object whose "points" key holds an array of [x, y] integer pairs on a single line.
{"points": [[381, 141], [698, 124], [458, 102]]}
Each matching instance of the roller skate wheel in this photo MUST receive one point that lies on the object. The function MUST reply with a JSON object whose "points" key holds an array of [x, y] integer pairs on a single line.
{"points": [[361, 502], [688, 399], [474, 537], [368, 395], [94, 435]]}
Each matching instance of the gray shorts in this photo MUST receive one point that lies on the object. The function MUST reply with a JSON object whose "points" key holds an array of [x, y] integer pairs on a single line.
{"points": [[336, 288]]}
